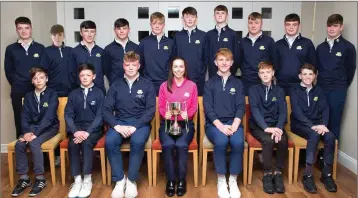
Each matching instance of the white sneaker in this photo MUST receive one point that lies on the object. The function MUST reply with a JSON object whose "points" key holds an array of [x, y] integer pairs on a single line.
{"points": [[86, 189], [234, 190], [75, 190], [131, 189], [223, 192], [118, 191]]}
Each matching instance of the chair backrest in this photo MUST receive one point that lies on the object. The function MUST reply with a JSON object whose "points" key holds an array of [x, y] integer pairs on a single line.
{"points": [[158, 118], [62, 101], [61, 116]]}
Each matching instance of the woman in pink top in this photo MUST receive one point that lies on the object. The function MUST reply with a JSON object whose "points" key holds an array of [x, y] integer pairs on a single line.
{"points": [[177, 89]]}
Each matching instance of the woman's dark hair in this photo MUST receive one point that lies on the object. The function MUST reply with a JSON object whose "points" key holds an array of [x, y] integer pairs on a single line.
{"points": [[171, 75]]}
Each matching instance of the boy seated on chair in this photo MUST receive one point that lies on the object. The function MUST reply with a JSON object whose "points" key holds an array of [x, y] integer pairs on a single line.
{"points": [[309, 119], [269, 114], [39, 123], [224, 105], [128, 109], [83, 116]]}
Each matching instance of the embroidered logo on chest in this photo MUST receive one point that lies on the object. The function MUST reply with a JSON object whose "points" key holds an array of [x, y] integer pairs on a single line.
{"points": [[232, 91], [139, 94], [166, 47], [299, 47], [36, 55], [262, 47], [93, 102], [315, 98], [186, 94], [274, 99], [45, 104], [98, 55], [197, 41], [225, 40], [338, 54]]}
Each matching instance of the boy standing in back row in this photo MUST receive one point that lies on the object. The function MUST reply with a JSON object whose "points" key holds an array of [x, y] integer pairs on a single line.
{"points": [[155, 52], [189, 44], [20, 57], [220, 37]]}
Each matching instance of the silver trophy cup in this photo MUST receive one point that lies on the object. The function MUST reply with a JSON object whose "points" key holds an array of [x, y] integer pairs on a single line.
{"points": [[175, 129]]}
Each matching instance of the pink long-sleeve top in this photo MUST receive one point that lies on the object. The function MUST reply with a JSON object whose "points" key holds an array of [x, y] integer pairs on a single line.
{"points": [[187, 92]]}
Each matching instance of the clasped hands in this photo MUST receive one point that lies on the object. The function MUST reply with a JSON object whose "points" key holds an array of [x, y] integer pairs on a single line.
{"points": [[169, 115], [125, 131], [28, 137], [276, 133], [320, 129], [228, 130]]}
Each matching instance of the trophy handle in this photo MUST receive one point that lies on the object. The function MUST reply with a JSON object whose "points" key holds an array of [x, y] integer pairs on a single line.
{"points": [[186, 119], [165, 120]]}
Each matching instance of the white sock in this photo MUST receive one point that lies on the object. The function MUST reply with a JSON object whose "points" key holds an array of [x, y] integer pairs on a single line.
{"points": [[87, 178], [232, 177], [221, 178], [78, 178]]}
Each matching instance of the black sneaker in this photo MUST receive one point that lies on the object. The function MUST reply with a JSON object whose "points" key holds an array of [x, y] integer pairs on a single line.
{"points": [[20, 187], [308, 184], [37, 187], [267, 184], [278, 182], [328, 182]]}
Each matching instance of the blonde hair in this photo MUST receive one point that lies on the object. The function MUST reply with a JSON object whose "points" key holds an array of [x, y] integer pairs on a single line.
{"points": [[157, 16], [224, 52], [131, 56]]}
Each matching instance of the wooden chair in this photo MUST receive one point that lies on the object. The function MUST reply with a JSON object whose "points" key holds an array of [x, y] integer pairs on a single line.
{"points": [[301, 143], [255, 145], [206, 146], [125, 147], [193, 146], [98, 147], [48, 146]]}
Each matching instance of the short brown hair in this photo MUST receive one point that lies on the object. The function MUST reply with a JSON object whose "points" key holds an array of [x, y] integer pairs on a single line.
{"points": [[131, 56], [35, 70], [309, 67], [335, 19], [292, 18], [221, 8], [254, 15], [265, 65], [22, 20], [189, 10], [57, 29], [224, 52], [157, 16]]}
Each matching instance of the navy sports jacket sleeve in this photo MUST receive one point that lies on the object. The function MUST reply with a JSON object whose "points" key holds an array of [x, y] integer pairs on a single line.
{"points": [[108, 107], [282, 108], [9, 65], [50, 115], [254, 100], [297, 111], [209, 103], [70, 115]]}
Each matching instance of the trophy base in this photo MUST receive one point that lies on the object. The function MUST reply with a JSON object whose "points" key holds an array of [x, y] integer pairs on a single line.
{"points": [[175, 134]]}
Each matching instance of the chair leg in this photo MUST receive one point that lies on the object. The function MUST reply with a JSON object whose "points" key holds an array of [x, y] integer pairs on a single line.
{"points": [[149, 165], [335, 161], [63, 166], [155, 165], [296, 162], [205, 161], [245, 166], [10, 158], [103, 165], [109, 172], [52, 166], [290, 165], [195, 165], [200, 156], [251, 163]]}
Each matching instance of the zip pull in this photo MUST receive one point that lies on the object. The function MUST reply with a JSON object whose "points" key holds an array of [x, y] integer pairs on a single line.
{"points": [[189, 34], [308, 97], [60, 52], [218, 36], [223, 82], [27, 53], [85, 99], [158, 46], [267, 89]]}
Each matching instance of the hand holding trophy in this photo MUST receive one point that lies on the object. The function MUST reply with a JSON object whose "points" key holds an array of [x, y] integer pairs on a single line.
{"points": [[175, 109]]}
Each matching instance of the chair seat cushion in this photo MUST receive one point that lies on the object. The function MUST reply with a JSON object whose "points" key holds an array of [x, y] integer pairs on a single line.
{"points": [[208, 145], [158, 146], [302, 142], [48, 145], [254, 143]]}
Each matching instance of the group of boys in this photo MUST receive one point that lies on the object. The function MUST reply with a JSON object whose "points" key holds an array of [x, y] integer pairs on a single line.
{"points": [[135, 73]]}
